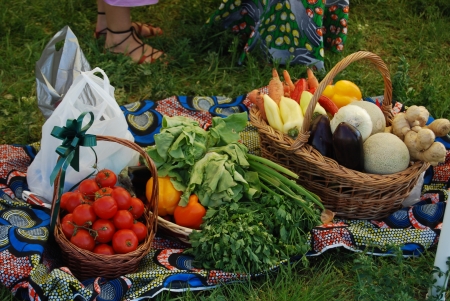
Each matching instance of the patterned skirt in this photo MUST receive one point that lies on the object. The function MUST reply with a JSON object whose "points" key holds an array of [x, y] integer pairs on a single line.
{"points": [[287, 31]]}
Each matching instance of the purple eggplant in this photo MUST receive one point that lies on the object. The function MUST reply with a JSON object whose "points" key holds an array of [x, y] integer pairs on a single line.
{"points": [[348, 146], [321, 137]]}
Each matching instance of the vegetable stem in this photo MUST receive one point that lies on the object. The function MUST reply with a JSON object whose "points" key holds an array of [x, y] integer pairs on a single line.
{"points": [[272, 164], [260, 168], [286, 192]]}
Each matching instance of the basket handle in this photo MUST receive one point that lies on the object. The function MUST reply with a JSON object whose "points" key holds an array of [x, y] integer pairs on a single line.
{"points": [[387, 102], [152, 203]]}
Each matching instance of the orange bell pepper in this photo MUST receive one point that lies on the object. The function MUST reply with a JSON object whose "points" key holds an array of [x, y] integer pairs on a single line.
{"points": [[190, 216]]}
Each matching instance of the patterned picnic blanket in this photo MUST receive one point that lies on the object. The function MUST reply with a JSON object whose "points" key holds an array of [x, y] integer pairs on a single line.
{"points": [[31, 267]]}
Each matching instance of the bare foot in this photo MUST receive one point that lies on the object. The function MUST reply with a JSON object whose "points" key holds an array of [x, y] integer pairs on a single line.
{"points": [[129, 44]]}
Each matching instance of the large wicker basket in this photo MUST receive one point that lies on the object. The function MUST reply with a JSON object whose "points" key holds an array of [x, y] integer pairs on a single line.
{"points": [[85, 264], [348, 193]]}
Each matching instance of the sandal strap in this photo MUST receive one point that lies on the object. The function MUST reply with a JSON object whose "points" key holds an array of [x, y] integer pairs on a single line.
{"points": [[131, 31], [133, 34]]}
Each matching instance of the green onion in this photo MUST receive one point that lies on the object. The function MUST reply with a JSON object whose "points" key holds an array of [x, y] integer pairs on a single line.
{"points": [[272, 164], [261, 168]]}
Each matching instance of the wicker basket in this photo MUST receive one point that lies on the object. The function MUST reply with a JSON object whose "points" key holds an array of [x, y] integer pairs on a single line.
{"points": [[85, 264], [348, 193]]}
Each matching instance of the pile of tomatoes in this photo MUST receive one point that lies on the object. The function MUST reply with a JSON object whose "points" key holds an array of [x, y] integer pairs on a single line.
{"points": [[102, 217]]}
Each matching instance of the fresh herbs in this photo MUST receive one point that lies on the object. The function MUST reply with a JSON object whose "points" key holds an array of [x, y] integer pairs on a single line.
{"points": [[251, 236]]}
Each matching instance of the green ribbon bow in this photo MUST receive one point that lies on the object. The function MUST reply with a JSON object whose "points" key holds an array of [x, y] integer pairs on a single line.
{"points": [[73, 136]]}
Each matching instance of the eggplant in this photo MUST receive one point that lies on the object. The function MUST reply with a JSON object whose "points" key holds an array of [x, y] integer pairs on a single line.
{"points": [[321, 137], [348, 146], [139, 176]]}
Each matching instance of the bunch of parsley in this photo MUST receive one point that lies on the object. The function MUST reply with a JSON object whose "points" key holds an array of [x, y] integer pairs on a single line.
{"points": [[251, 237]]}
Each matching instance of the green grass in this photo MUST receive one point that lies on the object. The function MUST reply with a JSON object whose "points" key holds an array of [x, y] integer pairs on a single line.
{"points": [[203, 62]]}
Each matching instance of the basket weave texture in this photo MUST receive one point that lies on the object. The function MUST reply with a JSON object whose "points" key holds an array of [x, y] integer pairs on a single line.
{"points": [[348, 193], [85, 264]]}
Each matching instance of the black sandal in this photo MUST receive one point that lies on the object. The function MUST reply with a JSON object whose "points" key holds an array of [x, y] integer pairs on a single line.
{"points": [[154, 31], [133, 34]]}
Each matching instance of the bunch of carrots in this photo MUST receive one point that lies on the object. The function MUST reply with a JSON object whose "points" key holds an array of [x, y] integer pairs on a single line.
{"points": [[278, 89]]}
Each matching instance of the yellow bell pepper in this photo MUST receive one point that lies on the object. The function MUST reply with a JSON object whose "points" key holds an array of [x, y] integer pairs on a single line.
{"points": [[169, 197], [343, 92], [273, 113]]}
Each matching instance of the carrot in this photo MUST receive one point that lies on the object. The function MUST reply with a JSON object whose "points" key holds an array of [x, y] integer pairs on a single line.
{"points": [[288, 81], [276, 89], [256, 97], [312, 79], [286, 90]]}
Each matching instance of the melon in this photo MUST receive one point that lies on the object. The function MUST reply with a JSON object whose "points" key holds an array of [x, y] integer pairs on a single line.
{"points": [[385, 153], [375, 113]]}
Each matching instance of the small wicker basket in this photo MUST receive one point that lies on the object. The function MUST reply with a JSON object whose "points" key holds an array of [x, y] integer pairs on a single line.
{"points": [[85, 264], [348, 193]]}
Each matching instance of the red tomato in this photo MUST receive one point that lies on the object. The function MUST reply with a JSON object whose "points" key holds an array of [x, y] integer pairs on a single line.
{"points": [[82, 239], [67, 225], [104, 249], [89, 202], [122, 197], [123, 219], [106, 178], [124, 241], [63, 201], [84, 215], [75, 199], [105, 230], [137, 207], [105, 207], [140, 230], [103, 192], [88, 187]]}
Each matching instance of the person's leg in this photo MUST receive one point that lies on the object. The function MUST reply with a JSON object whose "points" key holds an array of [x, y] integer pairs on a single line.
{"points": [[142, 29], [100, 28], [121, 37]]}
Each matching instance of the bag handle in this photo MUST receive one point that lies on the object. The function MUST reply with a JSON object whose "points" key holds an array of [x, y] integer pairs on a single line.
{"points": [[88, 74], [64, 34], [101, 89], [386, 106]]}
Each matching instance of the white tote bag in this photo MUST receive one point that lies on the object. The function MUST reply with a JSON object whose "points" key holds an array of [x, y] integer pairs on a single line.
{"points": [[88, 93]]}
